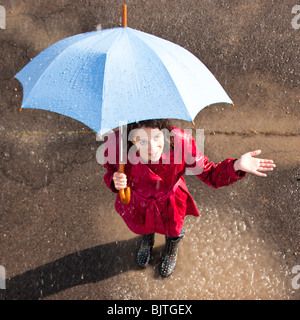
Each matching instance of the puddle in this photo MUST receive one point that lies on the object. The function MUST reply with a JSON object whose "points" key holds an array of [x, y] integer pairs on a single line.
{"points": [[221, 257]]}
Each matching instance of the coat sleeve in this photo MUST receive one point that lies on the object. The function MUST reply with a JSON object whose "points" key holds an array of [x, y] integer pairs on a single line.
{"points": [[213, 174], [220, 174]]}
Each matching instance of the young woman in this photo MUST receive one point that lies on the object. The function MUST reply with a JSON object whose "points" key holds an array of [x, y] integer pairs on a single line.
{"points": [[158, 156]]}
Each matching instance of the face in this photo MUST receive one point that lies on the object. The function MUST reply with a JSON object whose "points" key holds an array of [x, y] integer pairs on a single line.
{"points": [[149, 143]]}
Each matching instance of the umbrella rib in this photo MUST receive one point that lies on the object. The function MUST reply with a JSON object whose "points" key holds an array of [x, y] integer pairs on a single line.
{"points": [[104, 77], [102, 96], [151, 39], [54, 59], [165, 68], [49, 64]]}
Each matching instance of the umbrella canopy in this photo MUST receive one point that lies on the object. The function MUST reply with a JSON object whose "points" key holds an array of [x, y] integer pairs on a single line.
{"points": [[103, 77]]}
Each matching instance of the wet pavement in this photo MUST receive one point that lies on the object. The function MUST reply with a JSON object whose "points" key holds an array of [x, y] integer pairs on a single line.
{"points": [[60, 237]]}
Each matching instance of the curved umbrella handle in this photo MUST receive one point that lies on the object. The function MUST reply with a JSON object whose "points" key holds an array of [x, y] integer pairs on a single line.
{"points": [[124, 193]]}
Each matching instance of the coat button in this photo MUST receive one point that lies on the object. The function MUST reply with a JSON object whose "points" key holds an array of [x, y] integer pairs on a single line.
{"points": [[135, 180], [143, 203]]}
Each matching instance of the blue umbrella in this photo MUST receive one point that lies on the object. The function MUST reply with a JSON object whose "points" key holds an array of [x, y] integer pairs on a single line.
{"points": [[102, 78]]}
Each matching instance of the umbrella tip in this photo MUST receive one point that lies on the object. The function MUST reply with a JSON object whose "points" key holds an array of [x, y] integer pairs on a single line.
{"points": [[20, 109], [233, 104], [193, 123], [124, 15]]}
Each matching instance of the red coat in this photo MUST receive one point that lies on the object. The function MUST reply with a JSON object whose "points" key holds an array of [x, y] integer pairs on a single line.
{"points": [[159, 196]]}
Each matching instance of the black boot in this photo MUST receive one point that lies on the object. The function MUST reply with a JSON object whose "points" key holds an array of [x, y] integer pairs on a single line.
{"points": [[144, 253], [170, 258]]}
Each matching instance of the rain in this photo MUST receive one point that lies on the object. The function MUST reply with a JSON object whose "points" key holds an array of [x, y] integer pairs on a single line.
{"points": [[60, 235]]}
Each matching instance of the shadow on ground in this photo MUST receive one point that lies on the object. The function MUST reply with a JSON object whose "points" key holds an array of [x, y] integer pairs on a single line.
{"points": [[82, 267]]}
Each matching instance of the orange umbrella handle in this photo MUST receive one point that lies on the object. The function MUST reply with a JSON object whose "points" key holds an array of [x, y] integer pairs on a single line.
{"points": [[124, 15], [124, 193]]}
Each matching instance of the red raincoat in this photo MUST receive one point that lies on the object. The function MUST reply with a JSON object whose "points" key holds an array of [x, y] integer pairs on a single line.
{"points": [[159, 196]]}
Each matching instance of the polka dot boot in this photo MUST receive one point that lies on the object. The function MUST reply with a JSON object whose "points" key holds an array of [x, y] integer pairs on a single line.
{"points": [[144, 252], [170, 258]]}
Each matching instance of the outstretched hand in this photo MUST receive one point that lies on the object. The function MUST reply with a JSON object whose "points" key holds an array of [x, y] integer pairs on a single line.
{"points": [[248, 163]]}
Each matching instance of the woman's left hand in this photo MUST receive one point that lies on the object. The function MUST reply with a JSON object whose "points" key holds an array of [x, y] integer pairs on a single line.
{"points": [[248, 163]]}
